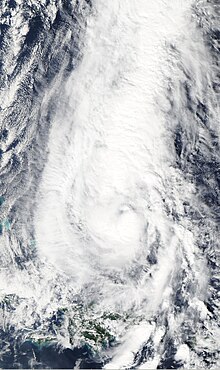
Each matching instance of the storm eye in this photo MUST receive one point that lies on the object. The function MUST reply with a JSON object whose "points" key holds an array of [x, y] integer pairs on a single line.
{"points": [[117, 230]]}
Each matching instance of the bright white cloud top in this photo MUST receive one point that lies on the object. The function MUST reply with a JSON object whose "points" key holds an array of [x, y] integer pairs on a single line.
{"points": [[116, 246]]}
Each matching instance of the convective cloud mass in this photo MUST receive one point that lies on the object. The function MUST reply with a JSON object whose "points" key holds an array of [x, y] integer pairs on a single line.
{"points": [[109, 184]]}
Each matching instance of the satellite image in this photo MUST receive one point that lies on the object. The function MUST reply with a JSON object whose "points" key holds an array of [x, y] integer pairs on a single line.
{"points": [[109, 184]]}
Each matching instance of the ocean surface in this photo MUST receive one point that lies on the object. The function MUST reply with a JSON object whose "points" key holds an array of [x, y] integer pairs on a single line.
{"points": [[109, 184]]}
